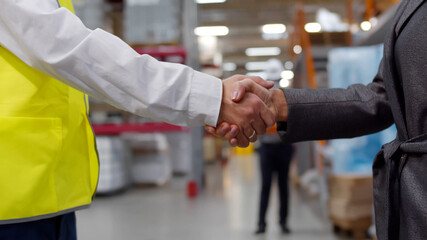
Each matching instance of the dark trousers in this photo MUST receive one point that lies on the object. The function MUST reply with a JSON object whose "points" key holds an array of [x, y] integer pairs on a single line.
{"points": [[57, 228], [274, 158]]}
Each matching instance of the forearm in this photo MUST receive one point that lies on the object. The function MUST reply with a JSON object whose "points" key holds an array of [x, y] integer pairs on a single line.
{"points": [[315, 114], [280, 105], [55, 42]]}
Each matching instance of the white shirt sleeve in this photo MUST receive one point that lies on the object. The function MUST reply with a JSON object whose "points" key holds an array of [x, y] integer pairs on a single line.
{"points": [[55, 41]]}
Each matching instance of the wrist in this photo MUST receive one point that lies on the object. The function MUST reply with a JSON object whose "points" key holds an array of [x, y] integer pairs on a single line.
{"points": [[280, 105]]}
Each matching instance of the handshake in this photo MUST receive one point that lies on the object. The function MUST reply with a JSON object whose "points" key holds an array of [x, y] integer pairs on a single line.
{"points": [[248, 109]]}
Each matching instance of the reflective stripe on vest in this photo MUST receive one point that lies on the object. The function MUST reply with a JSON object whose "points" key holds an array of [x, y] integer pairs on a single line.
{"points": [[48, 160]]}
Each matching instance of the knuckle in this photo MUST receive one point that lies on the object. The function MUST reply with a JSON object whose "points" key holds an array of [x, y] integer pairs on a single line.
{"points": [[238, 84], [249, 112], [241, 123]]}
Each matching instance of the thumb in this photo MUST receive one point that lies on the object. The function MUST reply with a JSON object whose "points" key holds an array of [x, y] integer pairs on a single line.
{"points": [[239, 91], [248, 85], [260, 81]]}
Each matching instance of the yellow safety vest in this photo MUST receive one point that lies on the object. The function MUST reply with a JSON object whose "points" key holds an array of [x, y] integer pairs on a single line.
{"points": [[48, 159]]}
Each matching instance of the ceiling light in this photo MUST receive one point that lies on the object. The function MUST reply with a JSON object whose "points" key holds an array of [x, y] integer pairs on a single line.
{"points": [[209, 1], [229, 66], [287, 74], [313, 27], [297, 49], [365, 26], [274, 28], [251, 66], [211, 31], [263, 51], [284, 83], [289, 65]]}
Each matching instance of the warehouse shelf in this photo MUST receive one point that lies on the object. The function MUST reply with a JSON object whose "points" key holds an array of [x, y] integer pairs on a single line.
{"points": [[150, 127]]}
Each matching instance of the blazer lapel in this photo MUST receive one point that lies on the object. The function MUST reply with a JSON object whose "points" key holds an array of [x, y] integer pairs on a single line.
{"points": [[410, 9]]}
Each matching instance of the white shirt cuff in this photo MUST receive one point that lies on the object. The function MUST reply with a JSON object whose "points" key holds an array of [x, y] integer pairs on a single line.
{"points": [[205, 99]]}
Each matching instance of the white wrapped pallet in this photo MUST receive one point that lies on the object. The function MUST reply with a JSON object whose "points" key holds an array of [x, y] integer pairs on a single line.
{"points": [[180, 148], [151, 161], [113, 170]]}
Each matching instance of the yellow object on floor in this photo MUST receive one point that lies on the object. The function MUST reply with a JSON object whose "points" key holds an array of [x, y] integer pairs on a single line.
{"points": [[244, 151]]}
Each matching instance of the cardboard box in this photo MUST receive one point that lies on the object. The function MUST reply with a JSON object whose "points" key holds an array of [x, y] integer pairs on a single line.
{"points": [[351, 187], [343, 209], [350, 196]]}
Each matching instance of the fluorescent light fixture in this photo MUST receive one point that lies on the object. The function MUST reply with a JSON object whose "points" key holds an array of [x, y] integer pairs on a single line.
{"points": [[263, 51], [211, 31], [287, 74], [209, 1], [297, 49], [274, 28], [365, 26], [229, 66], [252, 66], [313, 27], [289, 65], [284, 83]]}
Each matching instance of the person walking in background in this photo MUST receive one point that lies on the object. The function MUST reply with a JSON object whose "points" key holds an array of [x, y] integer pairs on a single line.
{"points": [[275, 158]]}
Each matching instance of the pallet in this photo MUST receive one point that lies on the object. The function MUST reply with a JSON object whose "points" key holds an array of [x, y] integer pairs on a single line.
{"points": [[356, 229]]}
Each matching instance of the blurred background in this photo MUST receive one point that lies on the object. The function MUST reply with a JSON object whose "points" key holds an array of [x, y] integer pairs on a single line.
{"points": [[159, 181]]}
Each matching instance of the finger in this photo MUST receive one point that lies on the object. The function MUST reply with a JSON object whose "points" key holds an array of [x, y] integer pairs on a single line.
{"points": [[268, 117], [233, 142], [234, 130], [256, 122], [242, 140], [259, 126], [222, 129], [262, 82], [250, 133], [254, 138], [210, 129]]}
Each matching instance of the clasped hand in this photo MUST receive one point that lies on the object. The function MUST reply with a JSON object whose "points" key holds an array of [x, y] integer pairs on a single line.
{"points": [[248, 109]]}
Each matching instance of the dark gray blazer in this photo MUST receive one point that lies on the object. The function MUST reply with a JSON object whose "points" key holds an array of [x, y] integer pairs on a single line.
{"points": [[397, 95]]}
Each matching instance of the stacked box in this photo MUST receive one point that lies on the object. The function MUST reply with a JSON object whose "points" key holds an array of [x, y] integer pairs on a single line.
{"points": [[350, 196]]}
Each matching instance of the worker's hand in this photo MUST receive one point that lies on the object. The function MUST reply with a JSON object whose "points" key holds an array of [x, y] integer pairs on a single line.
{"points": [[243, 118], [275, 101]]}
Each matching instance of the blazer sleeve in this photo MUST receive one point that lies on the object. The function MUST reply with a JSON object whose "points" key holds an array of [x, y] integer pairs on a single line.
{"points": [[318, 114]]}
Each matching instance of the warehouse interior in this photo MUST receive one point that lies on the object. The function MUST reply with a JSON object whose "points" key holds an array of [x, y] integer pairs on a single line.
{"points": [[159, 181]]}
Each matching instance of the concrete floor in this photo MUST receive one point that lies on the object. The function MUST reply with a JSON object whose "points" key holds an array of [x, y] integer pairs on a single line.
{"points": [[226, 209]]}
